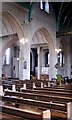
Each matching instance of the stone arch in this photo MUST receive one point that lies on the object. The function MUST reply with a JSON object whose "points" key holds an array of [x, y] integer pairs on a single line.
{"points": [[13, 21], [12, 31], [46, 38], [11, 26]]}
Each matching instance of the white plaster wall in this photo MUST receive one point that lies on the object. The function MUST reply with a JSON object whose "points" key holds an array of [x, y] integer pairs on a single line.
{"points": [[7, 70], [40, 20]]}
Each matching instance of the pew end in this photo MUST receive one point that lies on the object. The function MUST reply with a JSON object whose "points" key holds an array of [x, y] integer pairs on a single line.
{"points": [[46, 115], [69, 111], [1, 90]]}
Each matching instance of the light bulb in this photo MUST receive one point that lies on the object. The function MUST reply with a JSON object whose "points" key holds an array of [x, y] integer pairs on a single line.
{"points": [[26, 40], [17, 58], [22, 41]]}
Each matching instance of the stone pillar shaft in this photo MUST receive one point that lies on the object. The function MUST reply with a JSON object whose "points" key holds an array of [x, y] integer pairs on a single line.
{"points": [[0, 58], [39, 52]]}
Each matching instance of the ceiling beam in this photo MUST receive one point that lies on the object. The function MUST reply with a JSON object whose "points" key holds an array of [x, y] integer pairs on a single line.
{"points": [[69, 22], [64, 10], [30, 11], [67, 15], [64, 34], [58, 19]]}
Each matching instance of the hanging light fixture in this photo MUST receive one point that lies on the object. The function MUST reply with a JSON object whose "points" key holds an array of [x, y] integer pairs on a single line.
{"points": [[17, 58], [22, 41], [26, 40], [60, 48]]}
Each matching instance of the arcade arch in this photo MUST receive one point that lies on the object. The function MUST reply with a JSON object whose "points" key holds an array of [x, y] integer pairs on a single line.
{"points": [[12, 32], [42, 44]]}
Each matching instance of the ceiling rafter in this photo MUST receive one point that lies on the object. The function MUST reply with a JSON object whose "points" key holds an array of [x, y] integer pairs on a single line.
{"points": [[69, 22], [64, 10], [67, 16], [58, 19]]}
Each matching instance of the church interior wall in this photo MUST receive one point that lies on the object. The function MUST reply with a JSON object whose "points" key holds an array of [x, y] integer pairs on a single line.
{"points": [[40, 20]]}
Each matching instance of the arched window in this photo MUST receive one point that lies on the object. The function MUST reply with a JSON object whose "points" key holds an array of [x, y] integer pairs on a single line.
{"points": [[7, 54], [44, 6], [41, 5], [61, 59], [47, 7], [48, 58]]}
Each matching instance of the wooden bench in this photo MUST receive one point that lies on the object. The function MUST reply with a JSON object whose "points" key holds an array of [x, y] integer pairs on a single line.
{"points": [[68, 86], [48, 92], [36, 82], [5, 116], [29, 84], [26, 113], [41, 97], [54, 89], [56, 109]]}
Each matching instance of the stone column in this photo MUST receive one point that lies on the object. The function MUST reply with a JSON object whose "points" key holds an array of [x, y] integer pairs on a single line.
{"points": [[39, 52], [33, 60], [0, 43], [32, 63], [24, 61], [52, 70], [68, 57], [0, 58], [12, 55], [17, 63], [21, 62]]}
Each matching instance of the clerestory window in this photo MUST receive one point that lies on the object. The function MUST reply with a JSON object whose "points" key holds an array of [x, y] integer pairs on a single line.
{"points": [[44, 6]]}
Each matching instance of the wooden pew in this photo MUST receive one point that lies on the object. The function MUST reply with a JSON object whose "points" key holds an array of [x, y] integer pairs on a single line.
{"points": [[36, 103], [48, 92], [5, 116], [1, 90], [37, 82], [41, 97], [29, 84], [68, 86], [26, 113], [61, 109], [54, 89]]}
